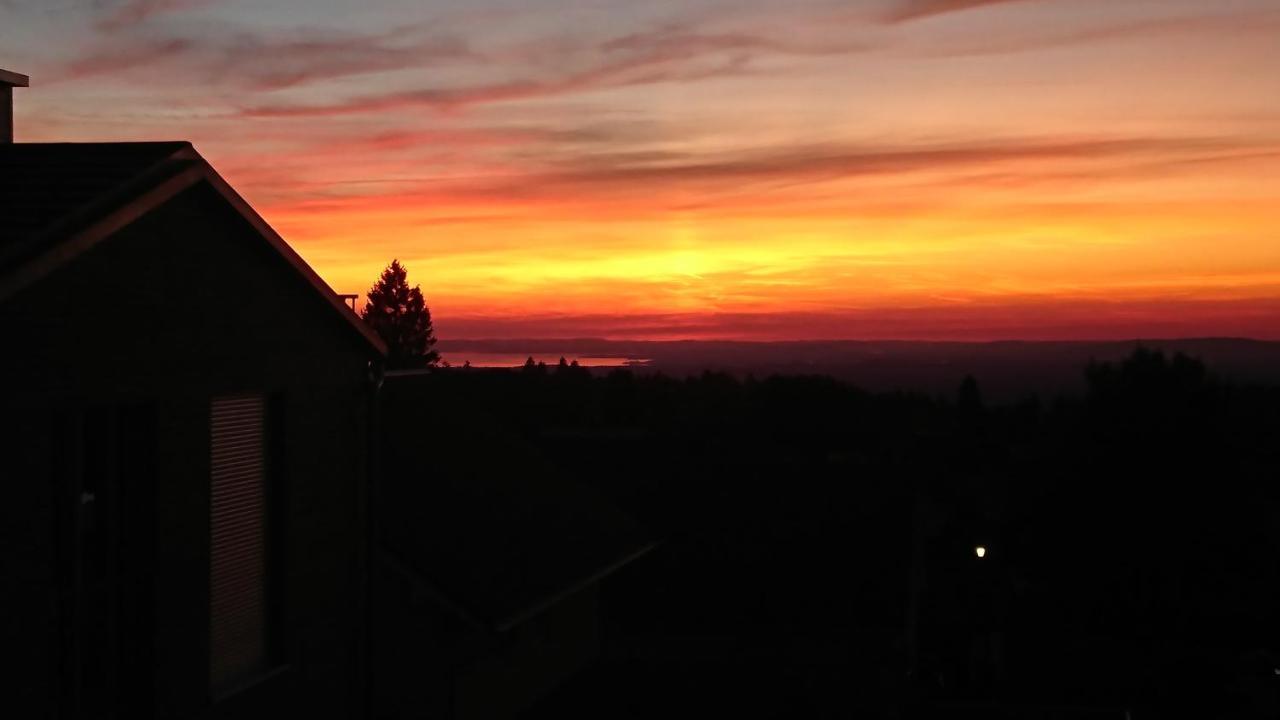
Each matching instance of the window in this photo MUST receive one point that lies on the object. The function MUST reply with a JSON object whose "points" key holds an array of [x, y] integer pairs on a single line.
{"points": [[237, 557]]}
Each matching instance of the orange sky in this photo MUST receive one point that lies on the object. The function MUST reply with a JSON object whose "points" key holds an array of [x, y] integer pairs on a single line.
{"points": [[961, 169]]}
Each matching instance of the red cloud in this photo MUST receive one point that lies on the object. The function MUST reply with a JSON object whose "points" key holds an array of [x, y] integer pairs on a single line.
{"points": [[1063, 319]]}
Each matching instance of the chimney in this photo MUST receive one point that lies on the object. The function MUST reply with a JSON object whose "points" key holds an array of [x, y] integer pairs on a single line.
{"points": [[8, 81]]}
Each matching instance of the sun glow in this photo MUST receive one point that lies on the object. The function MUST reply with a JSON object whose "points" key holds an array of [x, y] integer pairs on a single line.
{"points": [[950, 176]]}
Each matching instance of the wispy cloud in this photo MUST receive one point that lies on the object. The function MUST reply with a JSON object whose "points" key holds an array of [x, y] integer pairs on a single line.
{"points": [[276, 63], [742, 183], [1219, 23], [138, 54], [662, 55], [133, 12], [817, 163], [614, 74], [674, 42], [908, 10], [265, 62], [1028, 318]]}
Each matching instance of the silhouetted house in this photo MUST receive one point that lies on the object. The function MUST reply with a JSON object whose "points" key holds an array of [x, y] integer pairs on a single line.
{"points": [[184, 437]]}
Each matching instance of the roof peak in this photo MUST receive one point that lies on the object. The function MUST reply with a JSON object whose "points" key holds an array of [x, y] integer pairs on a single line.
{"points": [[58, 199], [13, 79], [108, 143]]}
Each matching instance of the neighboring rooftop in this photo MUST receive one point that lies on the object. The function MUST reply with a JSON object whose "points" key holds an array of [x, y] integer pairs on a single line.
{"points": [[8, 81], [504, 548], [13, 79], [498, 534]]}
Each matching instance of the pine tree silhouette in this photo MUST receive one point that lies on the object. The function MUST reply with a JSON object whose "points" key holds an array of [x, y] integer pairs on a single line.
{"points": [[400, 316]]}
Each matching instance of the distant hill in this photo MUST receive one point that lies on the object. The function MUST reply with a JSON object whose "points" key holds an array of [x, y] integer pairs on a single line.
{"points": [[1006, 370]]}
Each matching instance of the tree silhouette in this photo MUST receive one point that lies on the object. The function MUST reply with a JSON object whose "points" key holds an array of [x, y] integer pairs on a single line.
{"points": [[400, 316], [969, 398]]}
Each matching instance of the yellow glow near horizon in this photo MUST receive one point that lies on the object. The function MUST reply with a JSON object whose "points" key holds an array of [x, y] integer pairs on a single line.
{"points": [[974, 171]]}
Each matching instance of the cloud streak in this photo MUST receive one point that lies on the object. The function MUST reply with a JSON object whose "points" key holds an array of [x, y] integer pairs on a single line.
{"points": [[844, 161], [1234, 24], [277, 63], [664, 55], [1013, 319], [674, 175], [136, 55], [909, 10], [258, 62], [134, 12], [830, 180]]}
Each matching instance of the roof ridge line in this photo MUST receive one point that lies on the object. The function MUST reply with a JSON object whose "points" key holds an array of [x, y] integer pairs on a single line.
{"points": [[34, 256], [149, 175]]}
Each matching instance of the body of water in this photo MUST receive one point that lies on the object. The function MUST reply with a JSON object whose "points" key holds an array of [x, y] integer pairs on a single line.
{"points": [[488, 359]]}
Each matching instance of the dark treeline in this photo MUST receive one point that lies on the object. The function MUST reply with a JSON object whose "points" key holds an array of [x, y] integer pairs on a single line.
{"points": [[819, 542]]}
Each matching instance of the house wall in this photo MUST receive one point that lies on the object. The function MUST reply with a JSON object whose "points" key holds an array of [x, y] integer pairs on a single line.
{"points": [[28, 560], [6, 114], [182, 306]]}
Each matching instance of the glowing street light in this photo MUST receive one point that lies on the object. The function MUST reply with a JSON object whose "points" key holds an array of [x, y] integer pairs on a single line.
{"points": [[980, 551]]}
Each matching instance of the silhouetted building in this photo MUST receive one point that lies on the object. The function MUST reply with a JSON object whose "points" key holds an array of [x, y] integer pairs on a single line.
{"points": [[8, 81], [186, 412]]}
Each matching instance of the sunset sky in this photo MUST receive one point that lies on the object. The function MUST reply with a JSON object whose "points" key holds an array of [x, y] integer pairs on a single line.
{"points": [[756, 169]]}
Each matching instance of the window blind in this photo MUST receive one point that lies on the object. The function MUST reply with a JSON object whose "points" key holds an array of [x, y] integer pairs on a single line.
{"points": [[237, 563]]}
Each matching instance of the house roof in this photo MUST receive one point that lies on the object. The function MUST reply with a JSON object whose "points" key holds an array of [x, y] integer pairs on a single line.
{"points": [[501, 554], [47, 187], [59, 199]]}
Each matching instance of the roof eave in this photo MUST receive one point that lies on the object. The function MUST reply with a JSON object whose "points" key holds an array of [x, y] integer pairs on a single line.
{"points": [[512, 620], [73, 245], [549, 601], [13, 79], [392, 561], [269, 234]]}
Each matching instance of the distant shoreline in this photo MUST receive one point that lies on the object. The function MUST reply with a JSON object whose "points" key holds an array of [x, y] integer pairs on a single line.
{"points": [[517, 359], [1006, 369]]}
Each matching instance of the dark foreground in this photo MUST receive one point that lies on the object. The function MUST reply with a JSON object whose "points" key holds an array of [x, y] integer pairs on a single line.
{"points": [[818, 552]]}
